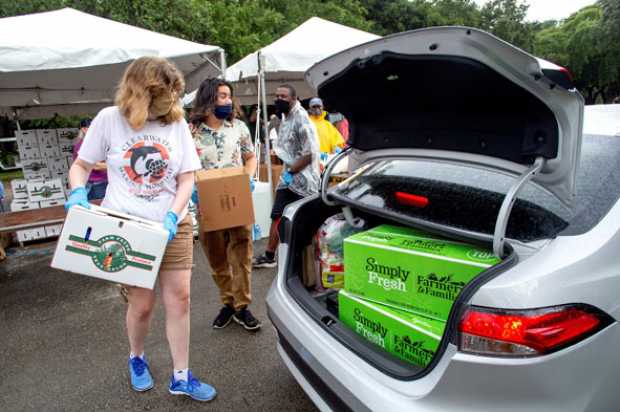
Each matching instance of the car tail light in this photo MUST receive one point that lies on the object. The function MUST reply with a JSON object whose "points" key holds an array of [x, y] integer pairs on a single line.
{"points": [[529, 332], [567, 73], [561, 76]]}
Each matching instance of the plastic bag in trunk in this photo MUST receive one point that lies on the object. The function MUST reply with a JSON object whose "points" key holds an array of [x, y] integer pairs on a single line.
{"points": [[330, 240]]}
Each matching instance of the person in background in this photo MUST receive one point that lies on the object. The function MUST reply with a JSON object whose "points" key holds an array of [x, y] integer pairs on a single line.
{"points": [[298, 148], [148, 147], [98, 178], [1, 196], [330, 139], [224, 141], [252, 117], [272, 128], [341, 123]]}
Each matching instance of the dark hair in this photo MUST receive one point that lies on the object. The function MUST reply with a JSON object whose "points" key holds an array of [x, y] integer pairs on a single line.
{"points": [[206, 97], [84, 123], [291, 89]]}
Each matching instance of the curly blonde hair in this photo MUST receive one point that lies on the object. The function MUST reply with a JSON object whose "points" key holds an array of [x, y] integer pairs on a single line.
{"points": [[144, 80]]}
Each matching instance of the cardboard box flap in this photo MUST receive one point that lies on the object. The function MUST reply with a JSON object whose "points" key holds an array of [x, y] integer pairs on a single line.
{"points": [[219, 173]]}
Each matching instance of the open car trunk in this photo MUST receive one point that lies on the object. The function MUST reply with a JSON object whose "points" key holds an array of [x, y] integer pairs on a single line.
{"points": [[298, 231], [454, 97]]}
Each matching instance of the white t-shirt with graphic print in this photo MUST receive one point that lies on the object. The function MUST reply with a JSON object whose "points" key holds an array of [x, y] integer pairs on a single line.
{"points": [[142, 165]]}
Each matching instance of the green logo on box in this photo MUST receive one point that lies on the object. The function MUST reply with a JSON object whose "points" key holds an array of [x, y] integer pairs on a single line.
{"points": [[110, 253], [482, 256], [46, 191], [412, 351]]}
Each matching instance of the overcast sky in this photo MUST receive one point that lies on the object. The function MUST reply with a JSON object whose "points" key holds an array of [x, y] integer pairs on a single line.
{"points": [[551, 9]]}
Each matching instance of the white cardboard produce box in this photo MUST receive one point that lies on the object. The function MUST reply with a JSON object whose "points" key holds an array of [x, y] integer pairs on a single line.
{"points": [[19, 188], [48, 151], [52, 203], [53, 230], [26, 139], [39, 190], [29, 153], [47, 137], [35, 169], [57, 165], [108, 245], [67, 135], [31, 234], [23, 204]]}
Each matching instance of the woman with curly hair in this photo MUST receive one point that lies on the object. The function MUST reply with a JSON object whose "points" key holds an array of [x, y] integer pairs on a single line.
{"points": [[151, 160]]}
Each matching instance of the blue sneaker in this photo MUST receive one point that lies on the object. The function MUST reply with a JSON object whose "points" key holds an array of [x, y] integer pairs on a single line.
{"points": [[193, 388], [141, 379]]}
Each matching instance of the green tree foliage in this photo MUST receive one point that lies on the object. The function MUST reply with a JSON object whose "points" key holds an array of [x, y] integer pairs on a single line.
{"points": [[610, 33], [583, 44], [458, 12], [506, 19]]}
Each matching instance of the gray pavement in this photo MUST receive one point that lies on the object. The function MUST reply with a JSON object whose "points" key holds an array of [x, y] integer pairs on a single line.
{"points": [[63, 345]]}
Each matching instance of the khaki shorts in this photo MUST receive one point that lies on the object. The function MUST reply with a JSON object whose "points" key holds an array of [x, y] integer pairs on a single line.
{"points": [[179, 253]]}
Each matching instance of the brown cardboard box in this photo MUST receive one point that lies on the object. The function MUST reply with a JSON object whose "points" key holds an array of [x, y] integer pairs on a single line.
{"points": [[310, 271], [276, 171], [225, 199]]}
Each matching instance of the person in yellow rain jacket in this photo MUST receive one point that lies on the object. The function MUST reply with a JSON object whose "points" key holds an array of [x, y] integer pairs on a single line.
{"points": [[329, 137]]}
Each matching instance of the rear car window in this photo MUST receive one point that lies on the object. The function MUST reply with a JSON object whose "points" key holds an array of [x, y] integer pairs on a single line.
{"points": [[470, 199]]}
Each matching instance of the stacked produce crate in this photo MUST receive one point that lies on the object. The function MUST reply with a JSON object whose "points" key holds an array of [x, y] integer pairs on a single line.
{"points": [[400, 285], [46, 156]]}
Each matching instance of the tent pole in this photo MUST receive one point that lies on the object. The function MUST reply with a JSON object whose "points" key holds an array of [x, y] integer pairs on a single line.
{"points": [[223, 63], [263, 97], [257, 144]]}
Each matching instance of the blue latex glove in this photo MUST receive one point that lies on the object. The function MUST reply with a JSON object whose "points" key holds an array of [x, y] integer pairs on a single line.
{"points": [[195, 196], [77, 196], [287, 177], [170, 224], [323, 157], [252, 185]]}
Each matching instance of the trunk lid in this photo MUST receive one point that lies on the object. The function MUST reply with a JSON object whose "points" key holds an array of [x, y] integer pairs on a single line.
{"points": [[461, 95]]}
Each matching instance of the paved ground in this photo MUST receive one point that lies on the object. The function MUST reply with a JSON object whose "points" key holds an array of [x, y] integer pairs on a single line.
{"points": [[63, 346]]}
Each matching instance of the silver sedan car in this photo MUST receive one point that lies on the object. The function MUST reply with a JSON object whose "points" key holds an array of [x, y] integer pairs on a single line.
{"points": [[491, 137]]}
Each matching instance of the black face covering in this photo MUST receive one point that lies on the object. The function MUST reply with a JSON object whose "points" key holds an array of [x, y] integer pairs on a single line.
{"points": [[282, 107]]}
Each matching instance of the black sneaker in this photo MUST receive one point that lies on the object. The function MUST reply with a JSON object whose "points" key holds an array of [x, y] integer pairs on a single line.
{"points": [[245, 318], [223, 318], [263, 261]]}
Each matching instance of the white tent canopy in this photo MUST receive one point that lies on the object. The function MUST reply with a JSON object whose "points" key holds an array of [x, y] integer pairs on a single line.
{"points": [[286, 59], [58, 60]]}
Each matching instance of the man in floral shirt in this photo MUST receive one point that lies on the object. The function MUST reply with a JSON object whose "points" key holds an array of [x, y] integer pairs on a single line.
{"points": [[223, 141], [298, 148]]}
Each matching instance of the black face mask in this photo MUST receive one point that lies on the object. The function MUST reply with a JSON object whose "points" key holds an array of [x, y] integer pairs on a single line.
{"points": [[223, 111], [282, 107]]}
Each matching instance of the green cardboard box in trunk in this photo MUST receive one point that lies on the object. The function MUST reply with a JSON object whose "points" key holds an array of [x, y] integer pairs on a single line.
{"points": [[411, 337], [411, 270]]}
